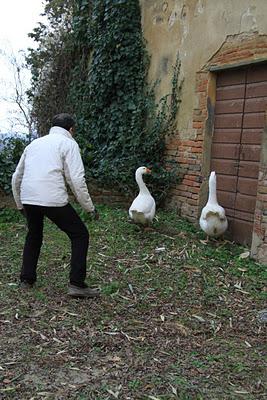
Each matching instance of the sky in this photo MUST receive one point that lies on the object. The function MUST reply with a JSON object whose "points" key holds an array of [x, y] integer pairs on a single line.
{"points": [[17, 19]]}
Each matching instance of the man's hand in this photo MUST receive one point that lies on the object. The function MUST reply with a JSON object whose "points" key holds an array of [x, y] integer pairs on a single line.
{"points": [[94, 215], [22, 211]]}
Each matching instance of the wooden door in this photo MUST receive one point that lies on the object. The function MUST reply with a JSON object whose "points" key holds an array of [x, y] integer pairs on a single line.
{"points": [[241, 103]]}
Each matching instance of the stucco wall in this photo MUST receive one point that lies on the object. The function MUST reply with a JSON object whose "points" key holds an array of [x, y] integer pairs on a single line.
{"points": [[197, 29]]}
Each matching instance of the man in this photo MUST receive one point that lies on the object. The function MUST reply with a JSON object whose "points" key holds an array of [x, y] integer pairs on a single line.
{"points": [[39, 190]]}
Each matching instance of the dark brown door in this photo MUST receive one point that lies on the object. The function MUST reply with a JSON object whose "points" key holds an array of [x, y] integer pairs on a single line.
{"points": [[241, 103]]}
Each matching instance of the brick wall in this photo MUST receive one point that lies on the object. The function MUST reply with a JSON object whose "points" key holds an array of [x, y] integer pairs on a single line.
{"points": [[189, 155], [108, 196]]}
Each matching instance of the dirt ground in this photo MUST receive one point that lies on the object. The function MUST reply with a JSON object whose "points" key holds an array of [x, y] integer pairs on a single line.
{"points": [[177, 319]]}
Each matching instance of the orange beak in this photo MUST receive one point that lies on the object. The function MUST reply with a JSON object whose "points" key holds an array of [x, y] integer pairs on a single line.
{"points": [[148, 171]]}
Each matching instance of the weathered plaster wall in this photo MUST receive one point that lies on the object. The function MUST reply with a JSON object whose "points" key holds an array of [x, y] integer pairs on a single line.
{"points": [[197, 29]]}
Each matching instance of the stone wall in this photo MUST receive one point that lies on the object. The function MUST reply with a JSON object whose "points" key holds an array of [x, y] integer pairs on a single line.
{"points": [[6, 201], [106, 196]]}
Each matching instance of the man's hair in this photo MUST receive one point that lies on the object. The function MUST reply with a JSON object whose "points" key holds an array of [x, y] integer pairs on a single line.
{"points": [[63, 120]]}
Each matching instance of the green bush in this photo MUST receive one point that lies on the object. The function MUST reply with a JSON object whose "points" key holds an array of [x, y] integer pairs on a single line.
{"points": [[11, 148], [10, 215]]}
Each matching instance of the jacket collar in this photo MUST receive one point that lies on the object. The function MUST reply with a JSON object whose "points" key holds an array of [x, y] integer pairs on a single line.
{"points": [[60, 131]]}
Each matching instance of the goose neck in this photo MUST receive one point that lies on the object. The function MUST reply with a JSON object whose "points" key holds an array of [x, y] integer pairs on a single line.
{"points": [[141, 184], [212, 192]]}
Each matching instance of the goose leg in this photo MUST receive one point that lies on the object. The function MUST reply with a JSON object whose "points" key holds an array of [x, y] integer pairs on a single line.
{"points": [[148, 229], [207, 239]]}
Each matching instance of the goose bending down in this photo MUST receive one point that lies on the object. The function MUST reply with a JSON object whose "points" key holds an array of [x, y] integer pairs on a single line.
{"points": [[213, 220], [143, 208]]}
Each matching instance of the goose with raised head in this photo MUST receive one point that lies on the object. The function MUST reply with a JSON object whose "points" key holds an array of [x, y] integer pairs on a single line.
{"points": [[143, 208], [213, 220]]}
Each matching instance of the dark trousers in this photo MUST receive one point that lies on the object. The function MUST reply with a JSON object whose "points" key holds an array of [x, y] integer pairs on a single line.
{"points": [[69, 222]]}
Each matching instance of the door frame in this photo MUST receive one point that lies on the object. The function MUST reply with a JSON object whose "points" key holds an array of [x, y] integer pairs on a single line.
{"points": [[258, 233]]}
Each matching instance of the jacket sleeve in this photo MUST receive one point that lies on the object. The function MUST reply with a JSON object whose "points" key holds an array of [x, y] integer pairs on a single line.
{"points": [[17, 179], [74, 173]]}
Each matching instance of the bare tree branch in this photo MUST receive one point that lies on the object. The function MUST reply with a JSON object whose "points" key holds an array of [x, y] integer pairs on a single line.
{"points": [[21, 115]]}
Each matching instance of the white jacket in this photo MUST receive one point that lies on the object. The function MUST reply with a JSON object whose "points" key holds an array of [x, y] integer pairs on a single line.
{"points": [[40, 175]]}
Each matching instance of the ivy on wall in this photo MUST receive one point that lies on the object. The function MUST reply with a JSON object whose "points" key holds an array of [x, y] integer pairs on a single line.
{"points": [[96, 67]]}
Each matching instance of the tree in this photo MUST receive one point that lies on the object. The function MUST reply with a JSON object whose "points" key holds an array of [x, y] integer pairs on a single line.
{"points": [[20, 112], [51, 63]]}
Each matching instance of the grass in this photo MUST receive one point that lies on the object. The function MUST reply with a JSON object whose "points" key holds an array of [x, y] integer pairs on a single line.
{"points": [[177, 318]]}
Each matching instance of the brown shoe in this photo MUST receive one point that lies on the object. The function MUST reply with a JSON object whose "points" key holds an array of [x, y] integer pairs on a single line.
{"points": [[24, 285], [76, 291]]}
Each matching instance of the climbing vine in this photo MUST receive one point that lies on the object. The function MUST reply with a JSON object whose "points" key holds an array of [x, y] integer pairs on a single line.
{"points": [[99, 73]]}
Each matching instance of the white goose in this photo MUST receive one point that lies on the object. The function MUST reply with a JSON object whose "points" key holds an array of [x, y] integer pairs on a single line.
{"points": [[143, 208], [213, 220]]}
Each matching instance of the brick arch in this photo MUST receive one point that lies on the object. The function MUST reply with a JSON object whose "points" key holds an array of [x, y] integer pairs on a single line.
{"points": [[243, 48]]}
